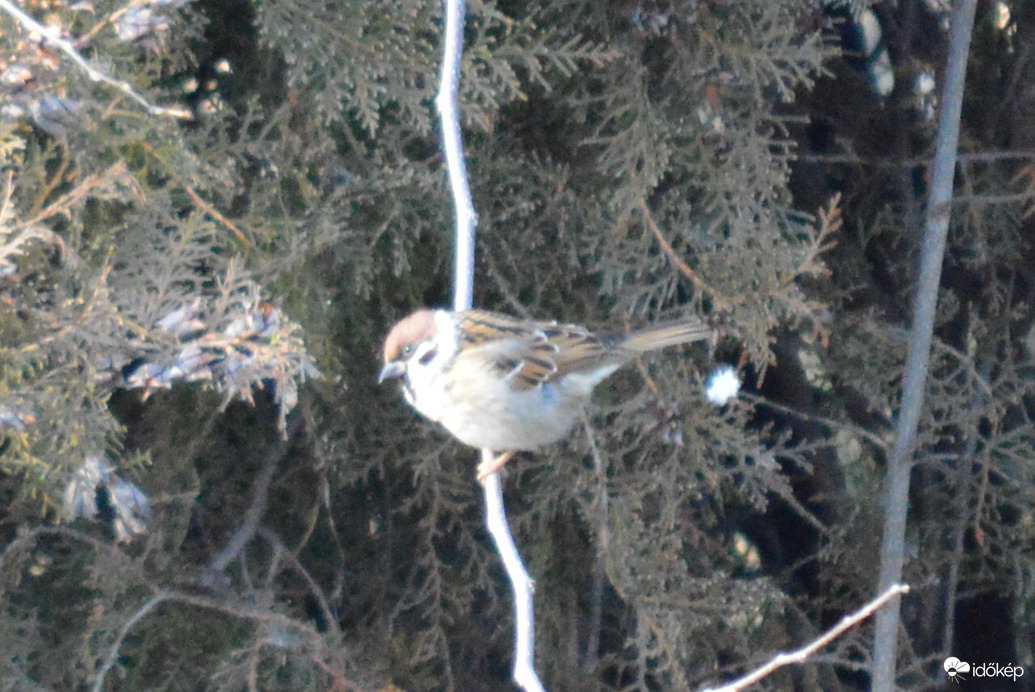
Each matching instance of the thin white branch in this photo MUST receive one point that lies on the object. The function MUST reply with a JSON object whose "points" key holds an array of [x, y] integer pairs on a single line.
{"points": [[48, 37], [524, 633], [496, 517], [781, 660], [446, 101]]}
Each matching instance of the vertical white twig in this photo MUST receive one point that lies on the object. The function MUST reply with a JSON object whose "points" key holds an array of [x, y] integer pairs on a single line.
{"points": [[446, 101], [524, 631], [496, 518]]}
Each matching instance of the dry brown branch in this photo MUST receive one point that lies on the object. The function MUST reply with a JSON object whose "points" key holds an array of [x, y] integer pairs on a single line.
{"points": [[196, 198], [684, 268], [116, 174]]}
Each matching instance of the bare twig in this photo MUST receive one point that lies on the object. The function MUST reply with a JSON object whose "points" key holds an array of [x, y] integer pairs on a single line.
{"points": [[964, 490], [115, 174], [330, 621], [111, 19], [831, 423], [596, 591], [237, 609], [113, 653], [496, 518], [900, 464], [55, 179], [28, 536], [454, 150], [94, 74], [524, 633], [924, 161], [781, 660], [250, 524]]}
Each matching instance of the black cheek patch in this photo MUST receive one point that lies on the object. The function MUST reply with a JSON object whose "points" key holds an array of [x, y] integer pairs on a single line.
{"points": [[428, 357]]}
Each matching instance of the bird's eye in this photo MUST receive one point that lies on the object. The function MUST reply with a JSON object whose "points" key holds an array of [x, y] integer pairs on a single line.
{"points": [[406, 351]]}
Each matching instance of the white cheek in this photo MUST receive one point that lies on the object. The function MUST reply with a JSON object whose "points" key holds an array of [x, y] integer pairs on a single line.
{"points": [[447, 336], [427, 384], [425, 388]]}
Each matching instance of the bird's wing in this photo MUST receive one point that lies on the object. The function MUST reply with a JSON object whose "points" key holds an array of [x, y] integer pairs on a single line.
{"points": [[531, 354]]}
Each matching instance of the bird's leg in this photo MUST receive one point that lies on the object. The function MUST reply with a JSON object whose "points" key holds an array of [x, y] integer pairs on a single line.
{"points": [[491, 466]]}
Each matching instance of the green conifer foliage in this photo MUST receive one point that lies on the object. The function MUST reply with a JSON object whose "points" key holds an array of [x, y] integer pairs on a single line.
{"points": [[203, 487]]}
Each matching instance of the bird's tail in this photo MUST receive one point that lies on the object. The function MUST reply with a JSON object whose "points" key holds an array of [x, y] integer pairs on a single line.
{"points": [[670, 334]]}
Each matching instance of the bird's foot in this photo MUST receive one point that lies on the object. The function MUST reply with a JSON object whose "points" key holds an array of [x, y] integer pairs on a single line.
{"points": [[491, 466]]}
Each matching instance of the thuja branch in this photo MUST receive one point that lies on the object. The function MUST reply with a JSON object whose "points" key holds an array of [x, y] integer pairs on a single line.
{"points": [[66, 47]]}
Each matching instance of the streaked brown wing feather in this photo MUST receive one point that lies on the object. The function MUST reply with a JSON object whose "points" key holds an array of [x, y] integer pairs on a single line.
{"points": [[532, 354], [577, 349]]}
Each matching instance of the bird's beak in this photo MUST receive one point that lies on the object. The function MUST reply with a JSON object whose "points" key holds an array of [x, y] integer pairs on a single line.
{"points": [[390, 370]]}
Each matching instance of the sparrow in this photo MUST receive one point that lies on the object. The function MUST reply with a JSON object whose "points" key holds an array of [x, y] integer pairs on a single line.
{"points": [[508, 384]]}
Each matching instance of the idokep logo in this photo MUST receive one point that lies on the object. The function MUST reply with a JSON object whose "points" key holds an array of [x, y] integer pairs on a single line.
{"points": [[958, 670], [955, 668]]}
